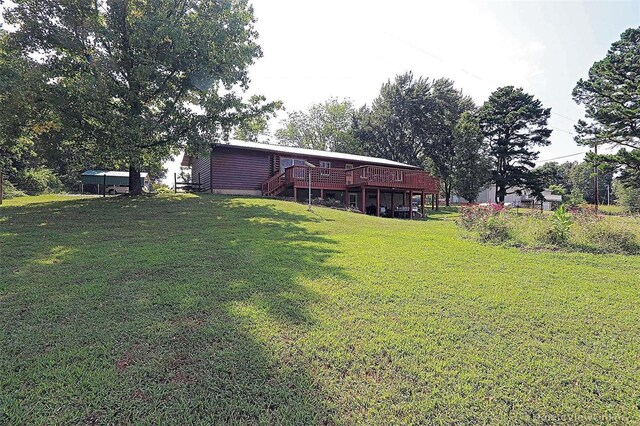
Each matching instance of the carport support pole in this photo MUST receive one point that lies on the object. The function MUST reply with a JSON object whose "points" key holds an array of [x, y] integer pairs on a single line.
{"points": [[364, 200], [378, 202], [104, 185], [422, 203]]}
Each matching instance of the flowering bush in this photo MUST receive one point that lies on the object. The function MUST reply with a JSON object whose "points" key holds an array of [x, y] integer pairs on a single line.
{"points": [[488, 222]]}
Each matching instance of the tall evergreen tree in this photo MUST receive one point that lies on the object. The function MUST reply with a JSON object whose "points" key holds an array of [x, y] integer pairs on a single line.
{"points": [[611, 99], [514, 123], [143, 80]]}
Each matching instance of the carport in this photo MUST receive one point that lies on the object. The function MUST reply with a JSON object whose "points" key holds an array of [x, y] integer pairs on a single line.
{"points": [[100, 180]]}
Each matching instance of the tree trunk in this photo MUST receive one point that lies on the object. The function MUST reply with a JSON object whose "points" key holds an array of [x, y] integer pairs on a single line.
{"points": [[500, 194], [447, 193], [135, 182]]}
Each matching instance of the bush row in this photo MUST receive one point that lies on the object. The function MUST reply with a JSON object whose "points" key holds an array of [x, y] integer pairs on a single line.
{"points": [[579, 229]]}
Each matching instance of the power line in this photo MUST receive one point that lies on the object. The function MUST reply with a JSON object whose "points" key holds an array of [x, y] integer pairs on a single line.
{"points": [[564, 116], [426, 52], [561, 130], [561, 157]]}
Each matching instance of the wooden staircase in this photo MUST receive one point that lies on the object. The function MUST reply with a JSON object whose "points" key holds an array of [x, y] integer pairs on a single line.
{"points": [[274, 185]]}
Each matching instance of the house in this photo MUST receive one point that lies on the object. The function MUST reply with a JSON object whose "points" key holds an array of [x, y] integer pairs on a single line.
{"points": [[488, 195], [371, 184]]}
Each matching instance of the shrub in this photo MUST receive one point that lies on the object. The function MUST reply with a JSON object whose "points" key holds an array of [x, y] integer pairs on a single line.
{"points": [[607, 237], [580, 229], [628, 197], [10, 191], [562, 222], [488, 222], [575, 198], [327, 202], [161, 188], [39, 181]]}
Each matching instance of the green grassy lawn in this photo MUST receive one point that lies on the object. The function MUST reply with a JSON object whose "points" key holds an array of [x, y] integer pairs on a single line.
{"points": [[219, 310]]}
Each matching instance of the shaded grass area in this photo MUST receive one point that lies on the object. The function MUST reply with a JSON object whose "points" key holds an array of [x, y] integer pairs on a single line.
{"points": [[207, 309]]}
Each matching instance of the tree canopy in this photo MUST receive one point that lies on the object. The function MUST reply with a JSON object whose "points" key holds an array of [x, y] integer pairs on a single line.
{"points": [[470, 165], [139, 81], [440, 145], [326, 126], [514, 123], [395, 126], [611, 99]]}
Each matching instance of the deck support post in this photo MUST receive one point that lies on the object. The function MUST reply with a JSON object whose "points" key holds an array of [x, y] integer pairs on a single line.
{"points": [[363, 208], [378, 202], [322, 193], [393, 210], [295, 194], [437, 201], [410, 204], [433, 201], [422, 203]]}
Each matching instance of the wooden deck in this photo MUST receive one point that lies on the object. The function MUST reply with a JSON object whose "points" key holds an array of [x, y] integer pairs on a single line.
{"points": [[352, 179]]}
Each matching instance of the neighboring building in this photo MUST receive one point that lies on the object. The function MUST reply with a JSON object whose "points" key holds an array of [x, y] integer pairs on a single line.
{"points": [[488, 195], [366, 183]]}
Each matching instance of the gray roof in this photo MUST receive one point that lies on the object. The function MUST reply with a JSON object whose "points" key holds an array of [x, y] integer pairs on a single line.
{"points": [[111, 173], [312, 152]]}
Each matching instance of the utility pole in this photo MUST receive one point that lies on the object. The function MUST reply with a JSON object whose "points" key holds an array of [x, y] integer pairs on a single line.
{"points": [[595, 178]]}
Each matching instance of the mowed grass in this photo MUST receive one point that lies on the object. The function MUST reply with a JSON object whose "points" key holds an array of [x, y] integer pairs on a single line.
{"points": [[220, 310]]}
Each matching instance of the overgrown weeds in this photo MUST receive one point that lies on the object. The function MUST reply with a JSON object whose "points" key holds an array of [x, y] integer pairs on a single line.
{"points": [[577, 229]]}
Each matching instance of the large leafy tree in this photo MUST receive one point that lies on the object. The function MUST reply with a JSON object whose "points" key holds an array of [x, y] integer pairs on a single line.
{"points": [[20, 119], [556, 174], [514, 123], [440, 142], [140, 80], [326, 126], [611, 99], [395, 126], [471, 166]]}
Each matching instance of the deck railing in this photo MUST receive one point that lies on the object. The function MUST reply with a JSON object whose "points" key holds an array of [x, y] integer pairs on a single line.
{"points": [[271, 186], [391, 177], [321, 178], [342, 179]]}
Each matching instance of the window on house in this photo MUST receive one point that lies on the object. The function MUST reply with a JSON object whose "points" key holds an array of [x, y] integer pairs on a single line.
{"points": [[325, 164], [288, 162]]}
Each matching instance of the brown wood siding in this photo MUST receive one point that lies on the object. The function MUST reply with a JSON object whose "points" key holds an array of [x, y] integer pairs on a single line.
{"points": [[202, 166], [234, 168], [239, 168]]}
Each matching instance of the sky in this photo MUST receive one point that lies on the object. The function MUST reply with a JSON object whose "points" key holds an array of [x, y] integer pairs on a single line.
{"points": [[314, 50]]}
